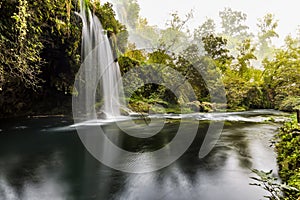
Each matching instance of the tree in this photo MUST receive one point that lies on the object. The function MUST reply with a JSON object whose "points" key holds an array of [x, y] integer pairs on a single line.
{"points": [[128, 11], [267, 26], [188, 63], [207, 28], [234, 28], [174, 38], [145, 36], [232, 23], [282, 75], [141, 34], [215, 48], [118, 31], [246, 54]]}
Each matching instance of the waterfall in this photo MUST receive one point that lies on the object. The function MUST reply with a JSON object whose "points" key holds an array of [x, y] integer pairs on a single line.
{"points": [[100, 73]]}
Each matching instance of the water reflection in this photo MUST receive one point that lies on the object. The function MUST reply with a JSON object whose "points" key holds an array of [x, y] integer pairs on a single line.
{"points": [[32, 178], [36, 164]]}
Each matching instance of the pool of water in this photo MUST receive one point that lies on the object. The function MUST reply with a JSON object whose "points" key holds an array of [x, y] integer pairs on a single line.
{"points": [[44, 158]]}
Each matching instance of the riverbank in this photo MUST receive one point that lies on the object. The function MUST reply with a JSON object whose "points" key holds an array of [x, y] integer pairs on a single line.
{"points": [[288, 158]]}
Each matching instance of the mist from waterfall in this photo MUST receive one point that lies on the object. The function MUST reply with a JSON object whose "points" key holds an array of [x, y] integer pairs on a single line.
{"points": [[100, 73]]}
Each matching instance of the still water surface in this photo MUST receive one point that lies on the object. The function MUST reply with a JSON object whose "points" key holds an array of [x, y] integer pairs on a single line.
{"points": [[43, 158]]}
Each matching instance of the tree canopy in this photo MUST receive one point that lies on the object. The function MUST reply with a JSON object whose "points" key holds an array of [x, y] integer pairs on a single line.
{"points": [[40, 55]]}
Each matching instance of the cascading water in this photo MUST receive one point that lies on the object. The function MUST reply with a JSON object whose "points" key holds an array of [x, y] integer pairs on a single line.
{"points": [[100, 72]]}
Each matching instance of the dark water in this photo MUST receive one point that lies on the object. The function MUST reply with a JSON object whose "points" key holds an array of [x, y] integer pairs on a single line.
{"points": [[41, 159]]}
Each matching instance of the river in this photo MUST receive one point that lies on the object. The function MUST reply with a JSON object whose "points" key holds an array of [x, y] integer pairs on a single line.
{"points": [[44, 158]]}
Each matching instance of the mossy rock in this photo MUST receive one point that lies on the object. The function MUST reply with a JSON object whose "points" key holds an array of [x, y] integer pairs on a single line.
{"points": [[139, 106], [207, 107], [194, 106], [197, 106]]}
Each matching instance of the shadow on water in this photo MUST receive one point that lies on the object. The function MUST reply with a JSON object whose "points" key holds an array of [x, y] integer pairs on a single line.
{"points": [[39, 163]]}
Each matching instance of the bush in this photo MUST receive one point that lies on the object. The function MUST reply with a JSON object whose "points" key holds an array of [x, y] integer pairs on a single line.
{"points": [[290, 103], [288, 148]]}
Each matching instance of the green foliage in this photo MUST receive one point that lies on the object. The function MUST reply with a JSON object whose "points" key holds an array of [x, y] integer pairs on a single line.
{"points": [[271, 184], [20, 46], [290, 103], [267, 26], [207, 28], [215, 48], [242, 81], [204, 30], [256, 98], [106, 15], [174, 37], [147, 33], [232, 22], [234, 28], [126, 63], [160, 57], [288, 148], [188, 64], [40, 55], [246, 54], [40, 52], [129, 12], [236, 90], [282, 74]]}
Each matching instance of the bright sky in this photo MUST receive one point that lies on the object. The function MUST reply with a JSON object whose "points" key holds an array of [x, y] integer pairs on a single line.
{"points": [[286, 11]]}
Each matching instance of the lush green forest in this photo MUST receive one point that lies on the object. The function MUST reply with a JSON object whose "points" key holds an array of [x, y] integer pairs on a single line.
{"points": [[40, 56]]}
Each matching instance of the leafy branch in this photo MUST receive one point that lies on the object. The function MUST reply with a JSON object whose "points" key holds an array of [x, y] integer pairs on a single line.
{"points": [[268, 182]]}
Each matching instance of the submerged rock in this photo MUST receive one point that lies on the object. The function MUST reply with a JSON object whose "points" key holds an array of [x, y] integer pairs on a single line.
{"points": [[101, 115]]}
